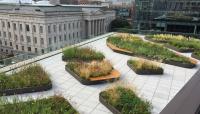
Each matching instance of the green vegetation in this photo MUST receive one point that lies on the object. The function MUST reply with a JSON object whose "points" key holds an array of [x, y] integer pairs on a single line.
{"points": [[145, 67], [90, 69], [30, 76], [85, 54], [197, 53], [120, 23], [126, 101], [52, 105], [148, 50], [182, 43]]}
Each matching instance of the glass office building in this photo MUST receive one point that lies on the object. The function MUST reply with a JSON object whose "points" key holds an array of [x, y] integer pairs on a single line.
{"points": [[174, 16]]}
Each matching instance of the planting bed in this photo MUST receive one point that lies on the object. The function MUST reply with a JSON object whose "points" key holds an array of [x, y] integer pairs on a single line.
{"points": [[92, 73], [121, 100], [81, 54], [196, 55], [29, 79], [176, 42], [150, 51], [144, 67], [89, 66], [52, 105]]}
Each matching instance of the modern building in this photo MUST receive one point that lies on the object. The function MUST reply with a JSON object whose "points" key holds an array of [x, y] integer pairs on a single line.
{"points": [[174, 16], [35, 28]]}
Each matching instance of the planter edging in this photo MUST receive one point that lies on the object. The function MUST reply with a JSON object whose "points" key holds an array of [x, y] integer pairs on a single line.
{"points": [[88, 82], [25, 90], [145, 73], [107, 105], [195, 56], [166, 62], [119, 51]]}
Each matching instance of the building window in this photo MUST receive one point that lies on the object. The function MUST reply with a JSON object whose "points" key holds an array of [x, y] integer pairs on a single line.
{"points": [[8, 24], [14, 26], [0, 33], [22, 48], [36, 50], [42, 51], [65, 37], [49, 29], [41, 29], [54, 28], [17, 47], [10, 43], [28, 39], [73, 25], [27, 28], [77, 24], [0, 42], [29, 49], [3, 24], [50, 42], [64, 26], [60, 37], [41, 41], [4, 34], [20, 27], [35, 40], [34, 28], [54, 39], [22, 38], [5, 43]]}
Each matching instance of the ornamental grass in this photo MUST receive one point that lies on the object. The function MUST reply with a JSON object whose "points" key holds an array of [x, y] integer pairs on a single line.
{"points": [[88, 70], [28, 76], [84, 54], [147, 50], [126, 101], [52, 105]]}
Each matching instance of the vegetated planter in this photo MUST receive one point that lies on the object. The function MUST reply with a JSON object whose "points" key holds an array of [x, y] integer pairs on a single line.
{"points": [[179, 50], [93, 81], [107, 105], [25, 90], [185, 65], [71, 60], [118, 50], [170, 46], [146, 72], [195, 56]]}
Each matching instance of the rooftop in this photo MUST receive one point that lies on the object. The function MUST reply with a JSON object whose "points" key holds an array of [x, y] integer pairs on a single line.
{"points": [[158, 89]]}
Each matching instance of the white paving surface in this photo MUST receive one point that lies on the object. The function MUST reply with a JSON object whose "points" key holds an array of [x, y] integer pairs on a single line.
{"points": [[158, 89]]}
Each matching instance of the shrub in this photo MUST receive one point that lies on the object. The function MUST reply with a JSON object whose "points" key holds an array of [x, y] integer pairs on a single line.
{"points": [[91, 69], [29, 76], [126, 101], [147, 50], [145, 67], [82, 54], [52, 105]]}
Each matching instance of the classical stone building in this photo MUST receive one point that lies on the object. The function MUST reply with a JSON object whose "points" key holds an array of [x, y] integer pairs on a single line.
{"points": [[43, 28]]}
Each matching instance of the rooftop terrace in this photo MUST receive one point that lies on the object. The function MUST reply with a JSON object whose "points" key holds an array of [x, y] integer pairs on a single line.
{"points": [[158, 89]]}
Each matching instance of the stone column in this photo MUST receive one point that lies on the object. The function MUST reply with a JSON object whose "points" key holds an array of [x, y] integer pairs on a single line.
{"points": [[93, 31], [99, 31], [89, 29], [195, 29], [95, 27], [103, 26]]}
